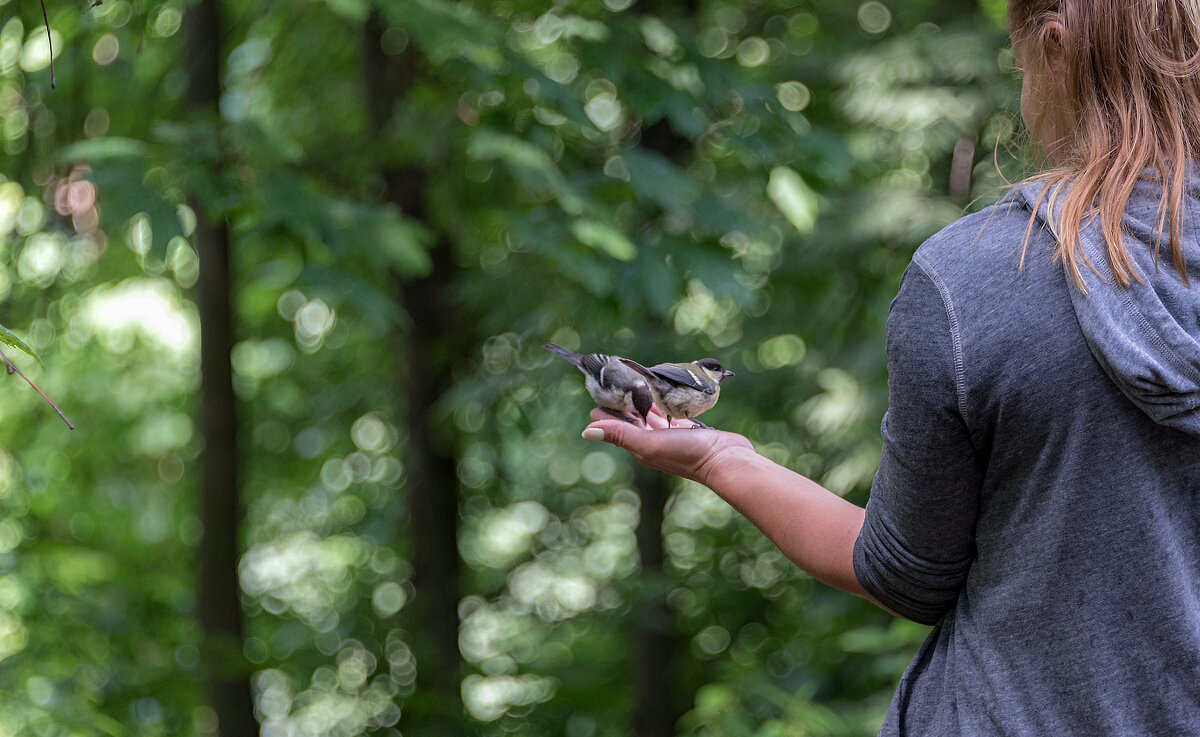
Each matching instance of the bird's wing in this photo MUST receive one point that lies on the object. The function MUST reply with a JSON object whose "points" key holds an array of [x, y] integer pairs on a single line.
{"points": [[678, 374], [593, 363]]}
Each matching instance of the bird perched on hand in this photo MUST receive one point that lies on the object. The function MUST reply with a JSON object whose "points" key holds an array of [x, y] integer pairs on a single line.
{"points": [[684, 389], [616, 388]]}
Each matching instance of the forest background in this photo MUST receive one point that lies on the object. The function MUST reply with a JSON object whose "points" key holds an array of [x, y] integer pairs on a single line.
{"points": [[287, 266]]}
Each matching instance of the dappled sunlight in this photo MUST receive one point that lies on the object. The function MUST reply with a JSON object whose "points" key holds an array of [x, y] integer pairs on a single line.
{"points": [[303, 575], [144, 308], [340, 701], [839, 405], [503, 534], [579, 560], [552, 589], [489, 697]]}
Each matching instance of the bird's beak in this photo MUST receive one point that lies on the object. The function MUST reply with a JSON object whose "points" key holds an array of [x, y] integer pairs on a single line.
{"points": [[727, 373]]}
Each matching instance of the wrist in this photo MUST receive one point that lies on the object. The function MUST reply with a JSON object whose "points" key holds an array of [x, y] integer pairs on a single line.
{"points": [[730, 466]]}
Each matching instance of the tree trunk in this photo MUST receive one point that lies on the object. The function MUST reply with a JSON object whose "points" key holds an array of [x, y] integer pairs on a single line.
{"points": [[219, 600], [655, 712], [655, 709], [430, 345]]}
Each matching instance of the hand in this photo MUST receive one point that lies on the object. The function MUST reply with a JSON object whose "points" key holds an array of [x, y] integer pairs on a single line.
{"points": [[678, 450]]}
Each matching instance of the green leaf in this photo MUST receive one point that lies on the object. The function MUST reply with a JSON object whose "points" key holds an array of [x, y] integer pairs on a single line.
{"points": [[101, 149], [9, 339], [527, 162], [795, 199], [604, 238], [657, 179], [391, 240]]}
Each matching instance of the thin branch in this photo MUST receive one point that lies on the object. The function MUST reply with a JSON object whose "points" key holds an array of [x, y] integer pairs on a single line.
{"points": [[12, 369], [49, 45]]}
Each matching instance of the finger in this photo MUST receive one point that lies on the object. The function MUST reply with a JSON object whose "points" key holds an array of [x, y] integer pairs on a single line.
{"points": [[657, 421], [620, 434], [600, 414]]}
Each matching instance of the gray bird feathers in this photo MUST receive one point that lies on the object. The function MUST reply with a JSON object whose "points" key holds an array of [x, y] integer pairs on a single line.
{"points": [[684, 389], [616, 388]]}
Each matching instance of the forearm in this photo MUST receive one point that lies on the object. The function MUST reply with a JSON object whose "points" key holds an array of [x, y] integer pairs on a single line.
{"points": [[815, 528]]}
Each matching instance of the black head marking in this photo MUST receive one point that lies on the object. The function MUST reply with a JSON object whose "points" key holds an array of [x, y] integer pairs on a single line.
{"points": [[713, 365]]}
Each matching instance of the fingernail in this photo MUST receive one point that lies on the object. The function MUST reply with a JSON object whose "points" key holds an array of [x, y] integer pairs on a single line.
{"points": [[593, 433]]}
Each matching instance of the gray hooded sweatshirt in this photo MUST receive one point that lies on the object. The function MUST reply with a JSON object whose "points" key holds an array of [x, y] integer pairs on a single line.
{"points": [[1038, 498]]}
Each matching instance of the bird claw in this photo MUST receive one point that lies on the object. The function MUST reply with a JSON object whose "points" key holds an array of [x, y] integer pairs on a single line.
{"points": [[620, 415]]}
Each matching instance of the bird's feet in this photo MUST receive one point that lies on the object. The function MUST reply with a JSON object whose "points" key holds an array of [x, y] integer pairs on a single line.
{"points": [[622, 416]]}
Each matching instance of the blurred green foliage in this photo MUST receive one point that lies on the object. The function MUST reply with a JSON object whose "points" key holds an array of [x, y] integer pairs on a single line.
{"points": [[664, 180]]}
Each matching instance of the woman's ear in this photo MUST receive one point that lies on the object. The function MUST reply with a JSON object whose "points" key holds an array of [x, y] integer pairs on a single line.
{"points": [[1051, 41]]}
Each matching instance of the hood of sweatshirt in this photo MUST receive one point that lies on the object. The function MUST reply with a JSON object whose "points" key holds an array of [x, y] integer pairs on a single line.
{"points": [[1146, 336]]}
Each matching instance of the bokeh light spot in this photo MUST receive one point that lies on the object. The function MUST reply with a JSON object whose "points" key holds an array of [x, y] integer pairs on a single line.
{"points": [[11, 196], [712, 640], [36, 55], [184, 262], [31, 216], [41, 259], [289, 302], [714, 42], [313, 321], [96, 123], [604, 111], [794, 96], [394, 40], [167, 21], [262, 359], [781, 350], [139, 236], [598, 467], [874, 17], [371, 434], [106, 49], [388, 598], [753, 52]]}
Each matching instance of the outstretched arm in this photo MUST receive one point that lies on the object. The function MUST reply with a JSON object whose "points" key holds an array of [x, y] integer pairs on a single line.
{"points": [[815, 528]]}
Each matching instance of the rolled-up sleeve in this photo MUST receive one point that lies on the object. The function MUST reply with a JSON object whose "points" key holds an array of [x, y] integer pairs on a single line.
{"points": [[917, 541]]}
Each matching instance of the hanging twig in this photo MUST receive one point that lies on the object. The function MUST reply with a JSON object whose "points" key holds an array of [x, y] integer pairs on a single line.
{"points": [[49, 45], [12, 369]]}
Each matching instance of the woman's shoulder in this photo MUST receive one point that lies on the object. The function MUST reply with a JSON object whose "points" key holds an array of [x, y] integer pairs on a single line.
{"points": [[996, 243]]}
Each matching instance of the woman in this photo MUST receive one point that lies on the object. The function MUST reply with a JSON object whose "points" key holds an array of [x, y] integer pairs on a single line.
{"points": [[1038, 498]]}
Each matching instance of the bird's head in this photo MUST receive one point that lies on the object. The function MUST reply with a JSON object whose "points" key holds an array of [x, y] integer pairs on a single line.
{"points": [[714, 369]]}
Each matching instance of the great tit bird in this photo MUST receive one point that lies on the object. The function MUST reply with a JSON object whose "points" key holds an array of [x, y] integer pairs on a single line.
{"points": [[684, 389], [615, 388]]}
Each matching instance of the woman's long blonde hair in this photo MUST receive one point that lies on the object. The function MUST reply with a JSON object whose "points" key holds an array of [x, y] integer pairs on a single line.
{"points": [[1132, 96]]}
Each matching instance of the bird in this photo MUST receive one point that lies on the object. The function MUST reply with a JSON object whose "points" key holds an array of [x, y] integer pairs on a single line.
{"points": [[615, 388], [684, 389]]}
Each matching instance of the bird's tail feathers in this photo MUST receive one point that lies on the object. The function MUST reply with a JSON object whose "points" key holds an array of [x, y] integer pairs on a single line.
{"points": [[570, 355]]}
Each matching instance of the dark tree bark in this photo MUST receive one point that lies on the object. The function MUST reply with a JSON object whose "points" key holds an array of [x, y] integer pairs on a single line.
{"points": [[655, 711], [656, 708], [430, 345], [219, 600]]}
